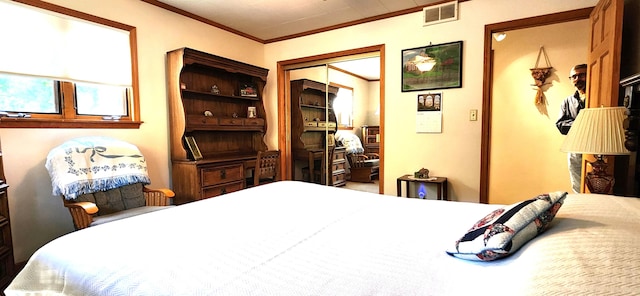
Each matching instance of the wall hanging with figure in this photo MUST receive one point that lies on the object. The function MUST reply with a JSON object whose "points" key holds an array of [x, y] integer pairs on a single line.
{"points": [[540, 75]]}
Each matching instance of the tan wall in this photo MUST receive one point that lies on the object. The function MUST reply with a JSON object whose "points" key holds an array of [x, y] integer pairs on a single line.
{"points": [[525, 147], [454, 153], [373, 107], [38, 217]]}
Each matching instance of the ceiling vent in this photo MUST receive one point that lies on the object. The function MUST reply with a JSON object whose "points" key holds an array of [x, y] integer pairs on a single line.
{"points": [[440, 13]]}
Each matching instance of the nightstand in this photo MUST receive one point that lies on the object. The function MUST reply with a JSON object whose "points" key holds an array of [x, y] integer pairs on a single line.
{"points": [[441, 185]]}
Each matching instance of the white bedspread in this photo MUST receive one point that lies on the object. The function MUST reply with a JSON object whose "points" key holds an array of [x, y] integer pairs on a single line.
{"points": [[294, 238]]}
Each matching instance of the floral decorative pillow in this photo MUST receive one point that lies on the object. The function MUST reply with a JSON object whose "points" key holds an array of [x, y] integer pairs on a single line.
{"points": [[505, 230]]}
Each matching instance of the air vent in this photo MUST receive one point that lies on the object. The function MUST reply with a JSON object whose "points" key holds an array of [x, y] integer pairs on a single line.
{"points": [[440, 13]]}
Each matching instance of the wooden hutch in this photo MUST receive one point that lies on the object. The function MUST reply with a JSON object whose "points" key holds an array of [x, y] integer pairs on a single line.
{"points": [[628, 168], [313, 125], [217, 122], [6, 246]]}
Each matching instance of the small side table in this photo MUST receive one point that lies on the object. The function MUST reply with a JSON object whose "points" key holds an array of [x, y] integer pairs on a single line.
{"points": [[441, 184]]}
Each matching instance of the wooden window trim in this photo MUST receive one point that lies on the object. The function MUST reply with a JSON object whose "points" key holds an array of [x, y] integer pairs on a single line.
{"points": [[60, 121], [9, 122]]}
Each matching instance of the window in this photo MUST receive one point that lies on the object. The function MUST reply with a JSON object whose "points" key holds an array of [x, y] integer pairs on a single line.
{"points": [[105, 100], [68, 69], [343, 106], [27, 94]]}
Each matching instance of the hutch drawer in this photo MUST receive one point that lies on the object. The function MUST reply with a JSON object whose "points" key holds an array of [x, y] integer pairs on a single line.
{"points": [[222, 174], [339, 165], [326, 124], [231, 121], [202, 120], [214, 191], [339, 179], [254, 121]]}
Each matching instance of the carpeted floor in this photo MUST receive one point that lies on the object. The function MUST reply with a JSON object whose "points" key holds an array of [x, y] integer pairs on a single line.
{"points": [[368, 187]]}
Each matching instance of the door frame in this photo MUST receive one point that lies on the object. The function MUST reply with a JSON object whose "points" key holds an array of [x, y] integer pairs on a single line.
{"points": [[487, 87], [284, 104]]}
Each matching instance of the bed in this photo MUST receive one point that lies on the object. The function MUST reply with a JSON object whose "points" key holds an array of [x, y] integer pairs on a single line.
{"points": [[296, 238]]}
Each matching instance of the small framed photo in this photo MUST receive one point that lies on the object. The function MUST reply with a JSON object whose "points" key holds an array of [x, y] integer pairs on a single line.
{"points": [[430, 101], [248, 90], [193, 147], [251, 112]]}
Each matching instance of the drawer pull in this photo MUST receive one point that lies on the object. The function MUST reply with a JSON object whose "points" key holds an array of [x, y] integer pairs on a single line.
{"points": [[223, 190], [223, 174]]}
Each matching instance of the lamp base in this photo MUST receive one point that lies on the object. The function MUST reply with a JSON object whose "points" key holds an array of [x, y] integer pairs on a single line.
{"points": [[598, 180]]}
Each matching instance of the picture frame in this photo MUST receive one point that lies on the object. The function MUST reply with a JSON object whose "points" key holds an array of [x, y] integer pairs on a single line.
{"points": [[252, 112], [249, 89], [193, 147], [429, 67], [430, 101]]}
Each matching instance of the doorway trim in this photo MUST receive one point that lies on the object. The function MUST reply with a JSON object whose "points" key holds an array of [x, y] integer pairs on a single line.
{"points": [[487, 87], [284, 105]]}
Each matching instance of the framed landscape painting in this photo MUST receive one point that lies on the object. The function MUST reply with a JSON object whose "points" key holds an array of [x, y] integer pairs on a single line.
{"points": [[432, 67]]}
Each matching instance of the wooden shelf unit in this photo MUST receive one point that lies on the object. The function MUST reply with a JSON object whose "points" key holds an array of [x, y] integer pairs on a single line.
{"points": [[218, 121], [7, 262], [371, 139], [313, 120]]}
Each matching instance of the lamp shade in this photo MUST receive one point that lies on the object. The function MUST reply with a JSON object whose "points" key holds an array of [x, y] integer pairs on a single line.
{"points": [[597, 131]]}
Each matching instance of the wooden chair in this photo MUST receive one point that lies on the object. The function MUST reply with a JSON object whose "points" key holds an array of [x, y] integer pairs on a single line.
{"points": [[267, 168], [115, 187], [87, 210], [323, 168], [364, 167]]}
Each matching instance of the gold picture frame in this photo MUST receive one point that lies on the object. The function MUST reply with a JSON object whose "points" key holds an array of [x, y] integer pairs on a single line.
{"points": [[193, 147]]}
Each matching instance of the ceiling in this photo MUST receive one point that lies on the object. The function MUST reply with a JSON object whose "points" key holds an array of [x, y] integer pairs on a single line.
{"points": [[269, 20], [275, 19], [368, 68]]}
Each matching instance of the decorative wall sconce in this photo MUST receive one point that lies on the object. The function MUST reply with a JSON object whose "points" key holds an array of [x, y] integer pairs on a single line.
{"points": [[499, 36]]}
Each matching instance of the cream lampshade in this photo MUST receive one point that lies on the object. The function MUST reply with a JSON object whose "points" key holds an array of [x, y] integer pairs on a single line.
{"points": [[598, 131]]}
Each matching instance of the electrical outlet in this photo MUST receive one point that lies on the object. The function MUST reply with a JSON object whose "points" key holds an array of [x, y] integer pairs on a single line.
{"points": [[473, 115]]}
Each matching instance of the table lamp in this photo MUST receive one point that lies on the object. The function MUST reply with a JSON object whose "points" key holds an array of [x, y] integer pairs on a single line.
{"points": [[598, 131]]}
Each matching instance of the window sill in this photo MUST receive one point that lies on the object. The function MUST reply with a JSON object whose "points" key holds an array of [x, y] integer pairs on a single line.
{"points": [[6, 122]]}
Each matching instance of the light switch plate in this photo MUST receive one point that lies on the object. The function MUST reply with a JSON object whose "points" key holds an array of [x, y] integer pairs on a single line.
{"points": [[473, 115]]}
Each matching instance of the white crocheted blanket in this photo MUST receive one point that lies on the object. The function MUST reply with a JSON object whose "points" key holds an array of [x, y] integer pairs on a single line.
{"points": [[90, 164]]}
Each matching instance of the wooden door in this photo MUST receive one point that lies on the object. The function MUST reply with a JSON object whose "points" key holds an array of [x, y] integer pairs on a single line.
{"points": [[605, 44]]}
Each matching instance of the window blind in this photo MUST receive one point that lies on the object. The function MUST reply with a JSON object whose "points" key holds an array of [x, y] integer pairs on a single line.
{"points": [[41, 43]]}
